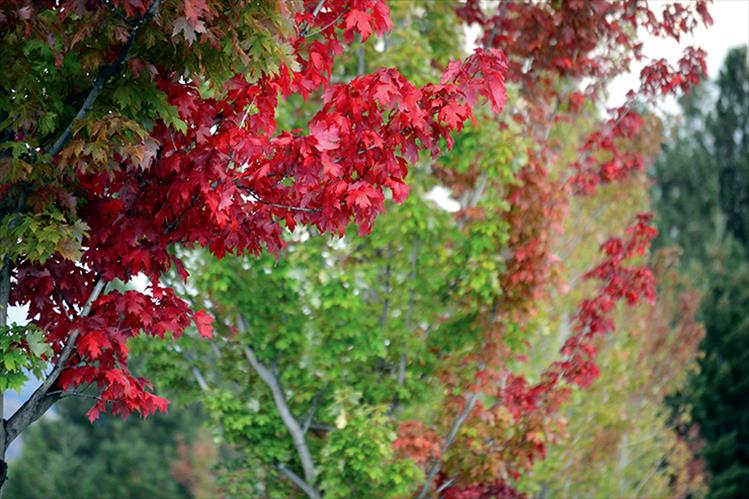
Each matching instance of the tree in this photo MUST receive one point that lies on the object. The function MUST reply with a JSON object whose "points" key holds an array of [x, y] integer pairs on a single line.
{"points": [[719, 392], [704, 172], [110, 458], [701, 178], [131, 129], [364, 365]]}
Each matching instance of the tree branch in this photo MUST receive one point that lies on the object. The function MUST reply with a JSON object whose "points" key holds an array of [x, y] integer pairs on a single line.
{"points": [[106, 72], [4, 290], [305, 27], [312, 411], [260, 200], [298, 481], [470, 403], [41, 399], [296, 432], [407, 323], [4, 298], [200, 379], [386, 289]]}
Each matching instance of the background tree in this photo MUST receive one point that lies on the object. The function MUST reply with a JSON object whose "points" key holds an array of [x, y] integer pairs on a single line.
{"points": [[110, 458], [397, 365], [702, 201]]}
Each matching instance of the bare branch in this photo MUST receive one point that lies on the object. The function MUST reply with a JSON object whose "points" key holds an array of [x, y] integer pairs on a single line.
{"points": [[81, 395], [4, 296], [298, 481], [42, 399], [275, 205], [407, 323], [199, 378], [457, 424], [296, 432], [312, 411], [305, 27], [386, 288], [445, 485], [4, 290], [331, 23]]}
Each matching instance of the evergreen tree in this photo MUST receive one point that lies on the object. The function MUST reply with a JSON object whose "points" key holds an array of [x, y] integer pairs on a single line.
{"points": [[702, 200], [721, 391], [111, 458]]}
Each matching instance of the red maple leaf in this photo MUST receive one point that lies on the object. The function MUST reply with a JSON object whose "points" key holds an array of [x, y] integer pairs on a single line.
{"points": [[361, 21], [92, 343], [327, 136], [203, 322]]}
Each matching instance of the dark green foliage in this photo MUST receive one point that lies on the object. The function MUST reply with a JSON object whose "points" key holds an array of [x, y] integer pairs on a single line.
{"points": [[64, 456], [703, 177], [702, 200], [721, 391]]}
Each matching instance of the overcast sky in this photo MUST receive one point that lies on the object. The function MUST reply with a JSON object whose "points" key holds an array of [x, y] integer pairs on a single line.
{"points": [[730, 29]]}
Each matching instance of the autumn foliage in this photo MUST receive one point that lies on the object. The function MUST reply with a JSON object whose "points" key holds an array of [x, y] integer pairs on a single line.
{"points": [[218, 174], [149, 129]]}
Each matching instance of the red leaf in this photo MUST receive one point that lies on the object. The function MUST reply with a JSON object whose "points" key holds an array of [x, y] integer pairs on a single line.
{"points": [[327, 137], [92, 343], [361, 21], [203, 322], [194, 10]]}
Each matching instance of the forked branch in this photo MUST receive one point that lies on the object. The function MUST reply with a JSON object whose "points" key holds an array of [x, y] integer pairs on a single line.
{"points": [[295, 430]]}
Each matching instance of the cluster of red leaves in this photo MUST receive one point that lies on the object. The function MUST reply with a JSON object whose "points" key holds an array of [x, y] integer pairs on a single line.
{"points": [[580, 38], [603, 159], [418, 442], [231, 183], [510, 422], [594, 315], [498, 489], [534, 216]]}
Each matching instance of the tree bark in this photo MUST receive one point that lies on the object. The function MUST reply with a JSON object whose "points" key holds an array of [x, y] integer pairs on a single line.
{"points": [[4, 298], [470, 403], [295, 430]]}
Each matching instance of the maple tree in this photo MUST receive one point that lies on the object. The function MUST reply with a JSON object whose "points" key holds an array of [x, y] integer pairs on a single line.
{"points": [[509, 418], [132, 128], [410, 356], [618, 437]]}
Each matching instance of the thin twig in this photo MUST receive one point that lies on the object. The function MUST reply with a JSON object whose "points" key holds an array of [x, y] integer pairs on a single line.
{"points": [[470, 402], [445, 485], [407, 323], [106, 72], [312, 411], [292, 425], [275, 205], [305, 26], [331, 23]]}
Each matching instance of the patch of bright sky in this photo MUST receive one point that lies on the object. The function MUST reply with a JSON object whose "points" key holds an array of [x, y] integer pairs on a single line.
{"points": [[730, 29]]}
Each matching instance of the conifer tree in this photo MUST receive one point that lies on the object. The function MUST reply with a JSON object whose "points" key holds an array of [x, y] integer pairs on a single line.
{"points": [[702, 201]]}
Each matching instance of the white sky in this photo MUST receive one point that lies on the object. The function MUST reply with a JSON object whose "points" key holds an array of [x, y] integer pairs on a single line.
{"points": [[730, 29]]}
